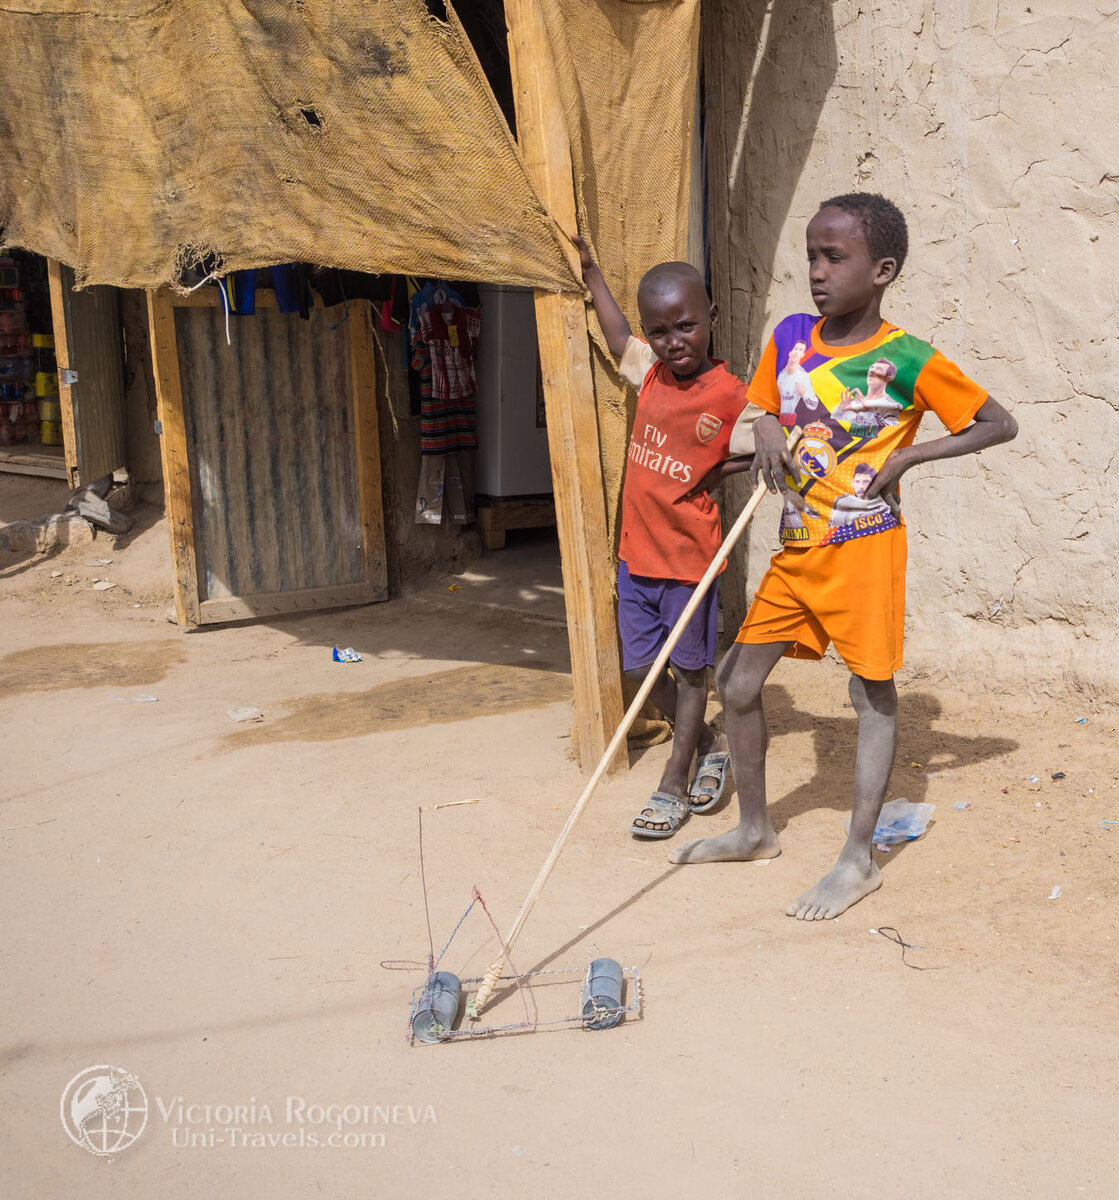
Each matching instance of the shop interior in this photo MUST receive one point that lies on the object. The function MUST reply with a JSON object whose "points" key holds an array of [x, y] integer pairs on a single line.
{"points": [[31, 440]]}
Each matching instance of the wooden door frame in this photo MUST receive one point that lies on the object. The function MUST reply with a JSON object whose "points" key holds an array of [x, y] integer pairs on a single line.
{"points": [[569, 404], [62, 364], [190, 609]]}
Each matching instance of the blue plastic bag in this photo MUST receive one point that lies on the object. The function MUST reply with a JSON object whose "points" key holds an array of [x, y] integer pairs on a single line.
{"points": [[900, 821]]}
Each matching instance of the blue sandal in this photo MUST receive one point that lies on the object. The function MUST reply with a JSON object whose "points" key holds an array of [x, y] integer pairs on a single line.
{"points": [[715, 765], [671, 810]]}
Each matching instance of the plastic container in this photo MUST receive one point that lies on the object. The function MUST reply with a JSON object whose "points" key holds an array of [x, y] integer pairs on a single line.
{"points": [[50, 433], [46, 383], [50, 410], [43, 349]]}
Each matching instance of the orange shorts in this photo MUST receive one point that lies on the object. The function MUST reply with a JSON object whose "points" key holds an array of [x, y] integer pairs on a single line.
{"points": [[852, 594]]}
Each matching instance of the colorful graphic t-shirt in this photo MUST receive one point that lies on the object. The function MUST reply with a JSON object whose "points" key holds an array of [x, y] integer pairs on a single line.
{"points": [[682, 429], [855, 404]]}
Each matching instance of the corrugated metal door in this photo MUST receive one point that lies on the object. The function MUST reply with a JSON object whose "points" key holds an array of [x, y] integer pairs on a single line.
{"points": [[271, 457], [90, 352]]}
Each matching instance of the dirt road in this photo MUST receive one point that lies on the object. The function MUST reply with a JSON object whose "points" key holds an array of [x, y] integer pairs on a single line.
{"points": [[211, 907]]}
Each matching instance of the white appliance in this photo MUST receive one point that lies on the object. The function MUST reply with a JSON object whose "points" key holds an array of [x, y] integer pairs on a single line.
{"points": [[512, 447]]}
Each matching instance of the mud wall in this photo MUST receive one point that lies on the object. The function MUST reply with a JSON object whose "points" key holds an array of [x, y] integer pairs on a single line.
{"points": [[992, 125]]}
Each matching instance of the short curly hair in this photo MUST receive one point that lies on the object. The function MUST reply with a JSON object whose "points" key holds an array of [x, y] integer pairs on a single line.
{"points": [[891, 368], [883, 225]]}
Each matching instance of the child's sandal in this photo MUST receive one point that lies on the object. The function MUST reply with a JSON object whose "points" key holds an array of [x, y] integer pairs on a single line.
{"points": [[664, 809], [715, 765]]}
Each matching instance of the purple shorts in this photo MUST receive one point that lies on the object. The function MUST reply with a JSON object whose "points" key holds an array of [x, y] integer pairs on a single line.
{"points": [[647, 611]]}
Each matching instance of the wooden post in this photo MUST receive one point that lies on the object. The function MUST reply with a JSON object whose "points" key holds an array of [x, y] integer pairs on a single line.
{"points": [[565, 363], [174, 452], [59, 301], [367, 436]]}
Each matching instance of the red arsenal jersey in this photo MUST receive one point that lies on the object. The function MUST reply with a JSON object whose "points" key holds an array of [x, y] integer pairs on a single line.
{"points": [[682, 429]]}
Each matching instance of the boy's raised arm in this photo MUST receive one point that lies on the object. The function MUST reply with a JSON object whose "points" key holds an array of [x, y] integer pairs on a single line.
{"points": [[610, 316]]}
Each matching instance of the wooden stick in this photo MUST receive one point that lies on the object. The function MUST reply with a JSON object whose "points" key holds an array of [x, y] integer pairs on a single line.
{"points": [[489, 983]]}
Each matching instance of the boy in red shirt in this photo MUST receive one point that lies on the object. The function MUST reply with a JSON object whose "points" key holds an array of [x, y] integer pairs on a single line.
{"points": [[690, 430], [840, 577]]}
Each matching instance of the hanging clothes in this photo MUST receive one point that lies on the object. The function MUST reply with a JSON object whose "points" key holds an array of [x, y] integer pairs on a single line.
{"points": [[450, 332], [241, 292], [292, 285], [418, 353], [424, 298]]}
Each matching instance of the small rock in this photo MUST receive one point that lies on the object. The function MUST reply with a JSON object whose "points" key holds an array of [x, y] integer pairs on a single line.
{"points": [[103, 585], [1055, 894], [241, 715]]}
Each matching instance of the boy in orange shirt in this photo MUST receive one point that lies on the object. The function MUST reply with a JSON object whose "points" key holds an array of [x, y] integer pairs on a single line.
{"points": [[841, 575], [691, 429]]}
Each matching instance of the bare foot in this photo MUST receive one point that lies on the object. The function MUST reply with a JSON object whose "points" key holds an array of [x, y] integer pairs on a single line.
{"points": [[845, 884], [730, 847]]}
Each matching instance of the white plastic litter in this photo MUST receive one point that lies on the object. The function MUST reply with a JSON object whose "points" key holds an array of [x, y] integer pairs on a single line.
{"points": [[1055, 894], [900, 821], [245, 714]]}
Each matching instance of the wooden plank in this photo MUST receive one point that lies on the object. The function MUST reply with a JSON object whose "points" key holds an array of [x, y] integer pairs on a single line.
{"points": [[518, 514], [23, 463], [174, 452], [243, 608], [561, 324], [210, 297], [492, 538], [59, 304], [367, 436]]}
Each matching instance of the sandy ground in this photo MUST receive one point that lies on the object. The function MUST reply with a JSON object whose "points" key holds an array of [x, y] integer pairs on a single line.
{"points": [[218, 909]]}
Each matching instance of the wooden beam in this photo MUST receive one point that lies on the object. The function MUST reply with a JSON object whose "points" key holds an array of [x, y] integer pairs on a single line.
{"points": [[210, 297], [270, 604], [565, 362], [60, 303], [367, 439], [174, 453]]}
